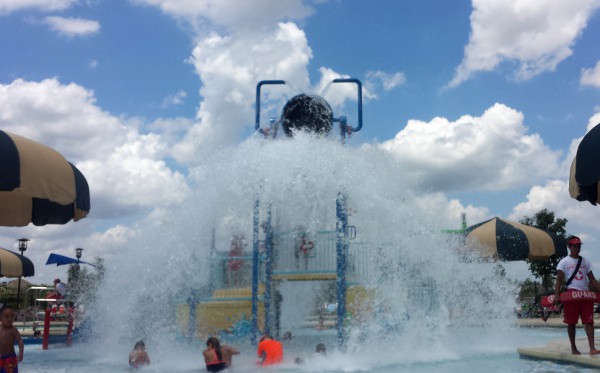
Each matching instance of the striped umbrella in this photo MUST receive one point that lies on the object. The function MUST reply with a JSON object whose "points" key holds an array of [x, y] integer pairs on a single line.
{"points": [[585, 169], [509, 241], [37, 185], [15, 265]]}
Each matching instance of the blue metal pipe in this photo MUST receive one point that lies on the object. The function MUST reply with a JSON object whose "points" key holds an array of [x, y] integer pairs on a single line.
{"points": [[192, 301], [255, 272], [341, 248], [359, 98], [268, 272], [258, 86]]}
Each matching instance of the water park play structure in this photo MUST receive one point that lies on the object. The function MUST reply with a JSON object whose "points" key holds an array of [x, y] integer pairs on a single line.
{"points": [[49, 321], [384, 275], [244, 296]]}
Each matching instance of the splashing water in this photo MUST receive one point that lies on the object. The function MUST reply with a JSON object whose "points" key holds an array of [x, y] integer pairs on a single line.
{"points": [[429, 308]]}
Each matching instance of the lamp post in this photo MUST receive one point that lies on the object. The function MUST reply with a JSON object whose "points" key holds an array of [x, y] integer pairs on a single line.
{"points": [[78, 252], [22, 247]]}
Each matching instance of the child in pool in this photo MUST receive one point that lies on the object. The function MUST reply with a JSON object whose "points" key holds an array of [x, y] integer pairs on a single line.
{"points": [[217, 356], [9, 362], [139, 357]]}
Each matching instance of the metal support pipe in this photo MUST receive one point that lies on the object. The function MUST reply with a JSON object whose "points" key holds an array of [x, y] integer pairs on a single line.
{"points": [[255, 272], [258, 86], [341, 249], [268, 272], [359, 99]]}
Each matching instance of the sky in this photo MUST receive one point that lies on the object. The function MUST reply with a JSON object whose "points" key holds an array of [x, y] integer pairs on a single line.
{"points": [[484, 100]]}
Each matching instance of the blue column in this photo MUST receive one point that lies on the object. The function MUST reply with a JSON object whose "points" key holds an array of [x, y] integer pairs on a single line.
{"points": [[341, 249], [255, 272], [268, 272], [192, 301]]}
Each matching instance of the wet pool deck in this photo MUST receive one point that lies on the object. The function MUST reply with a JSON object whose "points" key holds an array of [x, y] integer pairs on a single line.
{"points": [[560, 350]]}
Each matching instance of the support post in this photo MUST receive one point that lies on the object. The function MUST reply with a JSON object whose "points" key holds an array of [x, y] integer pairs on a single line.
{"points": [[46, 335], [193, 302], [69, 326], [255, 273], [341, 249], [268, 272]]}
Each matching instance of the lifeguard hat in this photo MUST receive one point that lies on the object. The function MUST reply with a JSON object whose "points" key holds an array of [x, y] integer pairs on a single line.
{"points": [[574, 241]]}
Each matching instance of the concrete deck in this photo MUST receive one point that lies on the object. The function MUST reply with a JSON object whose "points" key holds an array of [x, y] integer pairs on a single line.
{"points": [[560, 351]]}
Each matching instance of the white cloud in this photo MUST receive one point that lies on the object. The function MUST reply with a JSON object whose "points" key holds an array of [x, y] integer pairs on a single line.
{"points": [[387, 80], [448, 211], [232, 15], [536, 35], [491, 152], [124, 168], [174, 99], [591, 77], [582, 217], [230, 67], [9, 6], [72, 26], [337, 94]]}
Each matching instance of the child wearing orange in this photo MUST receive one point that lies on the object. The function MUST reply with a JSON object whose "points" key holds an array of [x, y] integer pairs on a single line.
{"points": [[269, 351]]}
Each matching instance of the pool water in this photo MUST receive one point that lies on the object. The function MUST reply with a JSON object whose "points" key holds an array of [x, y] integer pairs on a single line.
{"points": [[470, 352]]}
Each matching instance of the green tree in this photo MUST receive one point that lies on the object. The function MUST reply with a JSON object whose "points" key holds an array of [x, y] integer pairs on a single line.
{"points": [[546, 269], [83, 282]]}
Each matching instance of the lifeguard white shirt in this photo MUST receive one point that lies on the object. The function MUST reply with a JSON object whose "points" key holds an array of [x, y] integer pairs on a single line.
{"points": [[580, 281], [61, 288]]}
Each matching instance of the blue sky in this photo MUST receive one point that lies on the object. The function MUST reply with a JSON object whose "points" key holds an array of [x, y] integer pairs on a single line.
{"points": [[486, 101]]}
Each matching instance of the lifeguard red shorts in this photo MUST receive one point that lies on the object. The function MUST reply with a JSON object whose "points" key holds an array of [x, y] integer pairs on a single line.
{"points": [[572, 311]]}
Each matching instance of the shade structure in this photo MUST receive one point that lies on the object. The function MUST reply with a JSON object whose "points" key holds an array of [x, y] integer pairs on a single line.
{"points": [[585, 168], [63, 260], [509, 241], [37, 184], [15, 265]]}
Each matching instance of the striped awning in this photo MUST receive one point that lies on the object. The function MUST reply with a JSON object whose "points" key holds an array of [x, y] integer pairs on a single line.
{"points": [[509, 241], [37, 185], [15, 265], [585, 169]]}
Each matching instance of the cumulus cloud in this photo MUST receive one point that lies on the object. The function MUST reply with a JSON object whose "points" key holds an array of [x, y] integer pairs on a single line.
{"points": [[491, 152], [534, 35], [554, 196], [388, 81], [9, 6], [338, 94], [591, 77], [174, 99], [232, 15], [230, 67], [124, 168], [449, 210], [72, 26]]}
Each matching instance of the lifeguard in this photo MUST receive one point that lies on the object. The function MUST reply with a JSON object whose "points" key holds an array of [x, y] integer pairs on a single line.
{"points": [[270, 351], [576, 272]]}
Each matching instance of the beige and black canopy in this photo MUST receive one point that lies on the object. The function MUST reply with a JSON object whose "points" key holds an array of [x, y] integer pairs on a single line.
{"points": [[585, 169], [509, 241], [37, 185], [15, 265]]}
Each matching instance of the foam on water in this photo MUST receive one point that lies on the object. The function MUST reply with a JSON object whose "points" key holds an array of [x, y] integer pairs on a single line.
{"points": [[431, 307]]}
